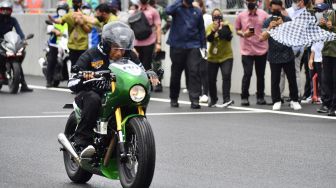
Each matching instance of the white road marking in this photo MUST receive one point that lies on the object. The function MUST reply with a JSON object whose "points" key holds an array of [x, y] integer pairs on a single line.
{"points": [[255, 110], [148, 114]]}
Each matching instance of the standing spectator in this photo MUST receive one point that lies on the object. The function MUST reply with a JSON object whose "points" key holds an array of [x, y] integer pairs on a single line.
{"points": [[186, 38], [297, 8], [146, 47], [219, 35], [249, 27], [204, 65], [329, 66], [280, 57], [18, 7], [157, 63], [79, 31]]}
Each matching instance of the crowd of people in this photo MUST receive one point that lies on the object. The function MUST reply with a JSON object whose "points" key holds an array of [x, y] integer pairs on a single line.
{"points": [[200, 44]]}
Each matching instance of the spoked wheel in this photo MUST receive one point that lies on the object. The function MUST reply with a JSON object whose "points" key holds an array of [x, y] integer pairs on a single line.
{"points": [[74, 171], [13, 74], [138, 169]]}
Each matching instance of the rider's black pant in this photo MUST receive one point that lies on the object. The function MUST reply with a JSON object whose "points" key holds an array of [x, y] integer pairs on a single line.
{"points": [[52, 61], [90, 103]]}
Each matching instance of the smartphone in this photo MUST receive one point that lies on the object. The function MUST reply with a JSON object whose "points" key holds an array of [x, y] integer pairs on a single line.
{"points": [[275, 18], [251, 29]]}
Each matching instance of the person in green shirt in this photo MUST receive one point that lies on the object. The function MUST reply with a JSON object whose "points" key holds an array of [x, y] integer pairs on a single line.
{"points": [[219, 35], [78, 29], [328, 22]]}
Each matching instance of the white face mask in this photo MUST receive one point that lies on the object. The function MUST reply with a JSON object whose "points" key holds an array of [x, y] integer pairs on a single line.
{"points": [[86, 11], [319, 15], [295, 6], [61, 12]]}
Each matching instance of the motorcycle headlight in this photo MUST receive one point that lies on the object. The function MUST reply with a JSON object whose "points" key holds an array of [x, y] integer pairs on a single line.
{"points": [[137, 93]]}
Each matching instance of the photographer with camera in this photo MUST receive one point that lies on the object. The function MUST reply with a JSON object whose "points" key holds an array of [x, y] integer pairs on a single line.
{"points": [[249, 27], [280, 57]]}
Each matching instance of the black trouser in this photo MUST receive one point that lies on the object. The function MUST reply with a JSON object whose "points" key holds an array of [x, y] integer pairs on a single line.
{"points": [[226, 70], [260, 65], [289, 69], [183, 59], [146, 55], [329, 82], [204, 77], [317, 69], [74, 55], [90, 104], [52, 61], [304, 62]]}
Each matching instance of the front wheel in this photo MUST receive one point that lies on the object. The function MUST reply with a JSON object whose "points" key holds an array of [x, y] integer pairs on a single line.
{"points": [[74, 171], [14, 76], [138, 169]]}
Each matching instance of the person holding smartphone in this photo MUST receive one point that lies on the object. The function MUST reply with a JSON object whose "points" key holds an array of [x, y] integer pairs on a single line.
{"points": [[280, 57], [249, 27]]}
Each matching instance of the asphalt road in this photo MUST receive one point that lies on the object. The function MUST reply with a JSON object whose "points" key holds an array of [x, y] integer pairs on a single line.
{"points": [[207, 148]]}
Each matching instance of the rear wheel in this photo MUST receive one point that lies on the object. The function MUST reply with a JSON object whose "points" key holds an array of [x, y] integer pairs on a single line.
{"points": [[14, 76], [138, 169], [74, 171]]}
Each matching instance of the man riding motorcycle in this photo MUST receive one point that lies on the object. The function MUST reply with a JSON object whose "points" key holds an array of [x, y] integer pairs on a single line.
{"points": [[56, 31], [117, 43], [7, 23]]}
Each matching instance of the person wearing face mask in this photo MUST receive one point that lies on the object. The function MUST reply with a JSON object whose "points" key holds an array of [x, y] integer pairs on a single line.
{"points": [[78, 28], [103, 16], [116, 44], [254, 52], [280, 57], [7, 23], [186, 38], [55, 32], [146, 47]]}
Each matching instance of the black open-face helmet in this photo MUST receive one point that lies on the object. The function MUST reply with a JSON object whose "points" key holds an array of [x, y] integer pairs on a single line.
{"points": [[117, 35]]}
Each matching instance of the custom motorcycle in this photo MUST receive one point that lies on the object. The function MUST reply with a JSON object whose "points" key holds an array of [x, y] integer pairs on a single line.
{"points": [[13, 49], [123, 139]]}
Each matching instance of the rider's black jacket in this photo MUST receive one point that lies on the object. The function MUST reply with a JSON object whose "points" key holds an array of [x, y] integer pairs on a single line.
{"points": [[7, 24], [94, 60]]}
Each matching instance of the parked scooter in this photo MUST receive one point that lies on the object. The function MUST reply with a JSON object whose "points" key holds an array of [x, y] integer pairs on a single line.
{"points": [[63, 61], [13, 49]]}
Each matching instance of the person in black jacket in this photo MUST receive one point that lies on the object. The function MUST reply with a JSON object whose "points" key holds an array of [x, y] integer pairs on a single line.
{"points": [[117, 43], [7, 23]]}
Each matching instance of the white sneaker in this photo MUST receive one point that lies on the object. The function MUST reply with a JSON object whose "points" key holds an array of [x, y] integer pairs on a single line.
{"points": [[88, 152], [224, 105], [204, 99], [185, 90], [295, 105], [307, 100], [277, 106]]}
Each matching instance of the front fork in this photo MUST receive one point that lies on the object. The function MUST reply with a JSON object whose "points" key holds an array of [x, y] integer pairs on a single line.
{"points": [[121, 141]]}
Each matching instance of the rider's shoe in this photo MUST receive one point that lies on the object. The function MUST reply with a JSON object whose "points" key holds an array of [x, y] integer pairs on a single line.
{"points": [[88, 152], [25, 88]]}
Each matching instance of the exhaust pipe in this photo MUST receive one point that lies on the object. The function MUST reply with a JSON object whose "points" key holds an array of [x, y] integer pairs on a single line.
{"points": [[62, 139]]}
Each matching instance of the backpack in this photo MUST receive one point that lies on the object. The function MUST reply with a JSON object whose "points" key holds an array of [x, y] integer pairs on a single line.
{"points": [[140, 26]]}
